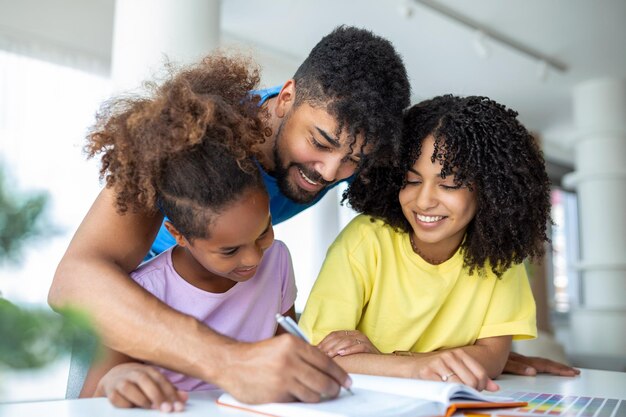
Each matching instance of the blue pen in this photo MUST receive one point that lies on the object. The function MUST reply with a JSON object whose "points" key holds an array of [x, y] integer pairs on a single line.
{"points": [[291, 327]]}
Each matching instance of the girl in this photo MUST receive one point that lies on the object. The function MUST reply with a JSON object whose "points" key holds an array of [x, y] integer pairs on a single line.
{"points": [[187, 152], [429, 280]]}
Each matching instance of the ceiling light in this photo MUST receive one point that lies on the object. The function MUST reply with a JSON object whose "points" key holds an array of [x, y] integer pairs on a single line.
{"points": [[503, 39], [405, 8], [480, 45]]}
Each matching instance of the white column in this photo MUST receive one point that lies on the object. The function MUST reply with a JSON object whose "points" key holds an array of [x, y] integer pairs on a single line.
{"points": [[599, 324], [148, 33]]}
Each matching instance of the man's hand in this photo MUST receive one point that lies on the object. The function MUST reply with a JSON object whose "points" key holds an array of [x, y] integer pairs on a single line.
{"points": [[530, 366], [346, 342], [280, 369]]}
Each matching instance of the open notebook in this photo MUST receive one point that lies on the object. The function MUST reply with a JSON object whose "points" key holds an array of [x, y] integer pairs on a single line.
{"points": [[384, 396]]}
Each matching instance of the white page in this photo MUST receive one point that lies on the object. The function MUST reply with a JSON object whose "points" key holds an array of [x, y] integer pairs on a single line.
{"points": [[441, 392], [363, 403]]}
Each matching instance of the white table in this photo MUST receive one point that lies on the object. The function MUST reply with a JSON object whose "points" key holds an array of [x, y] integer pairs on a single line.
{"points": [[591, 383]]}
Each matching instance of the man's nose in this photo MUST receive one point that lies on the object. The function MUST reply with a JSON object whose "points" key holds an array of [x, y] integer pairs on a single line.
{"points": [[330, 168]]}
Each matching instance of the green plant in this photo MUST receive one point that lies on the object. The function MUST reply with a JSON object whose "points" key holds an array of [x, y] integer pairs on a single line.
{"points": [[21, 219], [31, 338]]}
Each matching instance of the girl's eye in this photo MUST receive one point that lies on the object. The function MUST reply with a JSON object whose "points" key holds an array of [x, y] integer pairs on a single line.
{"points": [[230, 252], [450, 187]]}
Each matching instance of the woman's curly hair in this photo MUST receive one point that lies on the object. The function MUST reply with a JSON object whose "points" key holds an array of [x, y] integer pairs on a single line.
{"points": [[185, 147], [360, 79], [488, 150]]}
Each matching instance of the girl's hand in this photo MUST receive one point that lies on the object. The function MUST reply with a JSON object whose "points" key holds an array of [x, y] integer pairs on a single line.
{"points": [[346, 342], [138, 385], [453, 365]]}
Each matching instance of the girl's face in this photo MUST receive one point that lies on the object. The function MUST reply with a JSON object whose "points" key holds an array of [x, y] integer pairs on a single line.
{"points": [[238, 237], [437, 210]]}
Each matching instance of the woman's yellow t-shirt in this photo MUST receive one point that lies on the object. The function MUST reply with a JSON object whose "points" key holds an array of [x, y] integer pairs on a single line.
{"points": [[372, 281]]}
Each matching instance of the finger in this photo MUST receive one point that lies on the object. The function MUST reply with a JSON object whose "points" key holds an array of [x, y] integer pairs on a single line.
{"points": [[453, 364], [332, 346], [340, 339], [318, 385], [334, 336], [119, 401], [492, 386], [468, 369], [130, 392], [151, 389], [518, 368], [168, 389], [301, 391], [355, 348], [179, 405], [320, 373], [478, 370], [182, 395], [344, 344], [331, 340], [552, 367]]}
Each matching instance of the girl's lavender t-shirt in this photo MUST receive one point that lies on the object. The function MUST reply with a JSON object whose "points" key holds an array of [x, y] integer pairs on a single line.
{"points": [[246, 312]]}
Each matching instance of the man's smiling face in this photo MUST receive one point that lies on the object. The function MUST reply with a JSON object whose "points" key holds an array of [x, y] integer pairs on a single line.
{"points": [[309, 155]]}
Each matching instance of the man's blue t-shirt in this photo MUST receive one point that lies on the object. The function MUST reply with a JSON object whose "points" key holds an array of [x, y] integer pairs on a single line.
{"points": [[281, 207]]}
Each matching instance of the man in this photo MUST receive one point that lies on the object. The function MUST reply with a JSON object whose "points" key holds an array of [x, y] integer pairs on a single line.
{"points": [[346, 98]]}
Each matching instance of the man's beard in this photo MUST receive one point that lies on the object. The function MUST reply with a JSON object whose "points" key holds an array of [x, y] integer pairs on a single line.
{"points": [[281, 173]]}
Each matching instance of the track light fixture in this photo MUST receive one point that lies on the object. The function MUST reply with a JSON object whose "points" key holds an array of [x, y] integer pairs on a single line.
{"points": [[483, 33]]}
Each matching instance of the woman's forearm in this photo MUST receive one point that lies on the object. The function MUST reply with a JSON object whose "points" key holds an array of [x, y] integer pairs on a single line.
{"points": [[492, 353], [378, 364]]}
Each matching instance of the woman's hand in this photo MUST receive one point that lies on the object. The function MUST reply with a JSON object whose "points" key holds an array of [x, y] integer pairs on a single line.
{"points": [[138, 385], [346, 342], [453, 365]]}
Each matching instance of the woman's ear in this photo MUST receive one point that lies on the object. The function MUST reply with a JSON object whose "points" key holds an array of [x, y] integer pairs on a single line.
{"points": [[180, 239]]}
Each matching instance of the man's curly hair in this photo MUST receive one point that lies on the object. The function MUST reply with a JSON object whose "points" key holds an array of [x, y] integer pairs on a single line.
{"points": [[359, 79], [186, 147], [488, 150]]}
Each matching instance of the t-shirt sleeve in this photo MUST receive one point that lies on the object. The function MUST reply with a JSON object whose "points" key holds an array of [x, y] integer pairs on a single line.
{"points": [[337, 298], [151, 280], [512, 307], [289, 290]]}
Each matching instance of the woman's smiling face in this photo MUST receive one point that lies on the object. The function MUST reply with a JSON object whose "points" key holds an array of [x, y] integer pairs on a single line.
{"points": [[438, 210]]}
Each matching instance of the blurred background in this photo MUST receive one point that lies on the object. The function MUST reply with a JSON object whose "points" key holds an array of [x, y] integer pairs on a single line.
{"points": [[561, 64]]}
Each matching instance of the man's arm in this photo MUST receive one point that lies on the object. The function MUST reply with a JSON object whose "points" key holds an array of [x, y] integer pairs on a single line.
{"points": [[93, 276]]}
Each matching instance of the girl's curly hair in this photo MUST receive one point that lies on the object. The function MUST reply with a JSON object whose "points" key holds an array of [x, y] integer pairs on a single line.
{"points": [[488, 150], [186, 146]]}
